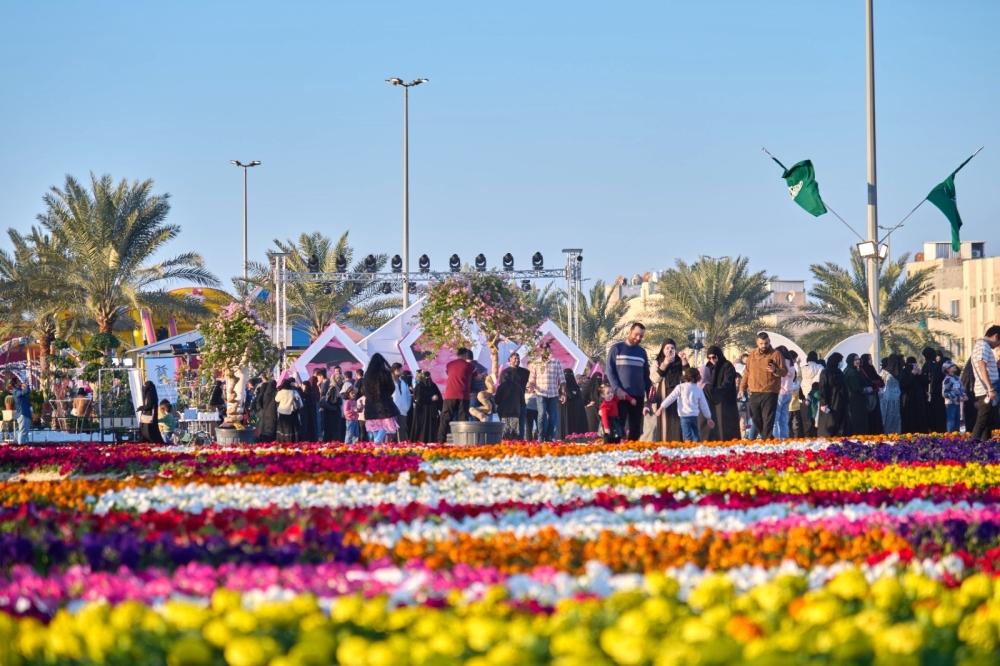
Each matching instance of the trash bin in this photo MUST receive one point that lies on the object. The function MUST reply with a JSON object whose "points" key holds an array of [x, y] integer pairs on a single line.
{"points": [[476, 432]]}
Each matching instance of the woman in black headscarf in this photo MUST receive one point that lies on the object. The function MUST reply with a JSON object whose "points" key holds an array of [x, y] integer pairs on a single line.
{"points": [[721, 395], [267, 428], [380, 410], [934, 378], [149, 421], [331, 406], [833, 413], [572, 414], [858, 390], [592, 401], [890, 394], [288, 404], [913, 398], [217, 400], [426, 409], [307, 416], [875, 426], [669, 366]]}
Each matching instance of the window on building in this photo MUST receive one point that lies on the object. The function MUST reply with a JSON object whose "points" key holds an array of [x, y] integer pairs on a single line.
{"points": [[954, 309], [942, 250], [972, 302]]}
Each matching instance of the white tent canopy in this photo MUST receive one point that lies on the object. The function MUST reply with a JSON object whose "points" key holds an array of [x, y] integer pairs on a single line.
{"points": [[166, 346]]}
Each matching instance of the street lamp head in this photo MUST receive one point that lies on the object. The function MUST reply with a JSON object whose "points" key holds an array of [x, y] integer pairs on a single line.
{"points": [[236, 162], [254, 163], [416, 82], [395, 81]]}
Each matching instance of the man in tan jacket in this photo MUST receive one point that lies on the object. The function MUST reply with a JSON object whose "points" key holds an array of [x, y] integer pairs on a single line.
{"points": [[762, 380]]}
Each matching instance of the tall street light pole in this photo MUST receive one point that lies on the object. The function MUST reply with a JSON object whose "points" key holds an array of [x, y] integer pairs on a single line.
{"points": [[873, 286], [245, 167], [406, 179]]}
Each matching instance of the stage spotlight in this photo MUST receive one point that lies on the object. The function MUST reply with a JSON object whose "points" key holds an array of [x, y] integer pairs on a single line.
{"points": [[424, 263], [579, 257], [397, 264], [341, 263], [526, 285], [327, 288], [508, 262], [312, 264], [537, 262], [455, 264], [480, 262], [386, 288], [370, 263]]}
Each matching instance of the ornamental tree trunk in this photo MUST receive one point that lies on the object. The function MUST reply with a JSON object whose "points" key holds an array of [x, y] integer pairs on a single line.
{"points": [[232, 404]]}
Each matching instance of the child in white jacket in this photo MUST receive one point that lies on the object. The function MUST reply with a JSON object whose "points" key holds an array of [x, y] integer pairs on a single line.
{"points": [[690, 401]]}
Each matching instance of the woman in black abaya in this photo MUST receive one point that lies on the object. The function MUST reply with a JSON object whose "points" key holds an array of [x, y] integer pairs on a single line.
{"points": [[721, 395], [858, 390], [267, 428], [426, 410], [148, 411], [833, 412], [572, 414], [592, 401]]}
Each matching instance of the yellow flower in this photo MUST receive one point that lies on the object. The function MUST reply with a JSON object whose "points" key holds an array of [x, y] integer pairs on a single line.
{"points": [[352, 650], [906, 638], [626, 650], [251, 651], [712, 590], [184, 616], [189, 652], [888, 594], [849, 584], [224, 600]]}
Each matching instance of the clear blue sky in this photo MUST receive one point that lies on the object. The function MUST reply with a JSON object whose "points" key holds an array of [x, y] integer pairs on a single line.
{"points": [[632, 130]]}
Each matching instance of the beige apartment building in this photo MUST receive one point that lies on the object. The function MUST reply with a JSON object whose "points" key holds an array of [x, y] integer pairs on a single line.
{"points": [[966, 285]]}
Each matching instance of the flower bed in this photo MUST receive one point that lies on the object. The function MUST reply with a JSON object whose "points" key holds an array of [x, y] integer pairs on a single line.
{"points": [[876, 551]]}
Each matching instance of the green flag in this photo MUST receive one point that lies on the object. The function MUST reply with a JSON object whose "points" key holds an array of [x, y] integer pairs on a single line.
{"points": [[943, 196], [802, 185]]}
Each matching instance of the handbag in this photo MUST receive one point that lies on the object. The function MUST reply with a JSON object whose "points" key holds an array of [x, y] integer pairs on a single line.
{"points": [[872, 402], [145, 419]]}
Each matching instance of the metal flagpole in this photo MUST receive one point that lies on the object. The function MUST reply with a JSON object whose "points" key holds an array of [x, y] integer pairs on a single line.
{"points": [[873, 268]]}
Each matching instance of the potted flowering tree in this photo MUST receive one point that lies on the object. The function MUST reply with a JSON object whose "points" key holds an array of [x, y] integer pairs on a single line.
{"points": [[492, 305], [496, 307], [235, 339]]}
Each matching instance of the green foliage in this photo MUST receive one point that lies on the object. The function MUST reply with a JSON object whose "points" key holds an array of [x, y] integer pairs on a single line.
{"points": [[484, 300], [720, 296], [59, 344], [601, 322], [103, 342], [839, 306], [62, 362], [315, 305], [109, 233]]}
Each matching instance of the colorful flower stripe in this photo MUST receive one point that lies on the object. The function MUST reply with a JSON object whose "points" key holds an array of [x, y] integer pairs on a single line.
{"points": [[869, 550], [889, 619], [891, 476], [134, 460], [637, 552]]}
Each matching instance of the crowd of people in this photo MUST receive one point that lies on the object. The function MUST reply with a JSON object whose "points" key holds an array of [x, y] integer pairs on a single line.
{"points": [[769, 392]]}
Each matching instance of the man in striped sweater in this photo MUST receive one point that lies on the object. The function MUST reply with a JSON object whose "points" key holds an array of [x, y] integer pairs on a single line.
{"points": [[628, 374]]}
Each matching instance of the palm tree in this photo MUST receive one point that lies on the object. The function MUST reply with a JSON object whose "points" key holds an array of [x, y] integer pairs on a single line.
{"points": [[109, 234], [549, 302], [37, 301], [316, 305], [600, 320], [839, 306], [720, 296]]}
